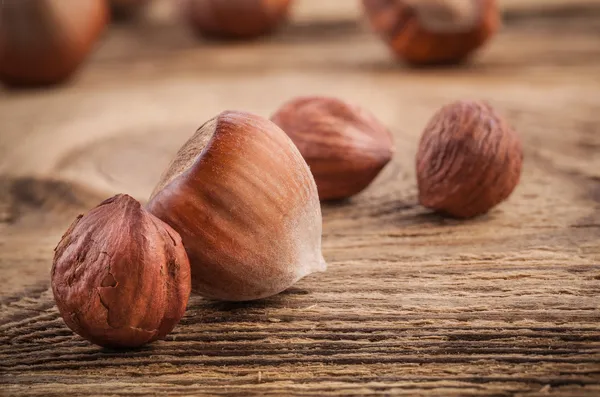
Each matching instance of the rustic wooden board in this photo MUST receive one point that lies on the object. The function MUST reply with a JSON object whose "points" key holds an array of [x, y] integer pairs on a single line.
{"points": [[413, 304]]}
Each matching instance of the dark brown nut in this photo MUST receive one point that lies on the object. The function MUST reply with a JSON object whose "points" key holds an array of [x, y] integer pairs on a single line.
{"points": [[235, 19], [469, 160], [121, 277], [246, 206], [44, 41], [126, 9], [426, 32], [345, 146]]}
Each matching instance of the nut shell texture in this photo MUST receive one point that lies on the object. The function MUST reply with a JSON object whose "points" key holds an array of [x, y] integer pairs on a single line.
{"points": [[345, 146], [121, 277], [423, 32], [469, 160], [44, 41], [246, 206], [235, 19]]}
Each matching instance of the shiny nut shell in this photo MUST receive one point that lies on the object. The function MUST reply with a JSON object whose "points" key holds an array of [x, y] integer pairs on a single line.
{"points": [[246, 206], [345, 146], [121, 277], [234, 19], [44, 41], [469, 160], [401, 24]]}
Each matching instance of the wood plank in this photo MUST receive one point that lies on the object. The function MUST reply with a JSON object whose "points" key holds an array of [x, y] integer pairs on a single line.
{"points": [[413, 303]]}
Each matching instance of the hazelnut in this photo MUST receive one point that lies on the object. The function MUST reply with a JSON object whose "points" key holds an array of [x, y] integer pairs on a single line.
{"points": [[44, 41], [234, 19], [469, 160], [121, 277], [345, 146], [246, 206], [425, 32]]}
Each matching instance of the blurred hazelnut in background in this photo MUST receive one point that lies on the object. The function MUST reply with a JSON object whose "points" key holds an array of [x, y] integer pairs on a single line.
{"points": [[429, 32], [234, 19], [45, 41]]}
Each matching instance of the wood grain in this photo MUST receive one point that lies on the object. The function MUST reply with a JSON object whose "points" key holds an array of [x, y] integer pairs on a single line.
{"points": [[412, 304]]}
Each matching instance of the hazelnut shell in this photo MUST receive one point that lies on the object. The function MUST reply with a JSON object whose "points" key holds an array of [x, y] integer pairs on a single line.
{"points": [[44, 41], [121, 277], [469, 160], [405, 25], [345, 146], [246, 206], [234, 19]]}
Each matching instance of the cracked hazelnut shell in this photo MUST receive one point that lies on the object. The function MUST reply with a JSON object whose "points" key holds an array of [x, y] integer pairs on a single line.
{"points": [[120, 277], [234, 19], [469, 160], [344, 145], [429, 32], [246, 206]]}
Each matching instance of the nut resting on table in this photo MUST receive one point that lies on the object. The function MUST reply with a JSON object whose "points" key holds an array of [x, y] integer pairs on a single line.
{"points": [[121, 277], [45, 41], [426, 32], [469, 160], [236, 216], [246, 206], [345, 146], [234, 19]]}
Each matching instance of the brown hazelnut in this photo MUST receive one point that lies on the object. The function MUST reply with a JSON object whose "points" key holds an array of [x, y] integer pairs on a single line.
{"points": [[121, 277], [423, 32], [246, 206], [235, 19], [469, 160], [345, 146], [44, 41]]}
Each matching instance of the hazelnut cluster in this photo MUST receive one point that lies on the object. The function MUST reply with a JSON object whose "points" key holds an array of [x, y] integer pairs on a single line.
{"points": [[44, 42], [236, 216]]}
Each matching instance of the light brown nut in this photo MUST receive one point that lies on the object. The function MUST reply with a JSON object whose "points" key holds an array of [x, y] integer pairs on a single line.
{"points": [[45, 41], [246, 206], [345, 146]]}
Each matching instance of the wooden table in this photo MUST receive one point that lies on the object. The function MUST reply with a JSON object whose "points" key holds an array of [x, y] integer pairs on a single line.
{"points": [[507, 304]]}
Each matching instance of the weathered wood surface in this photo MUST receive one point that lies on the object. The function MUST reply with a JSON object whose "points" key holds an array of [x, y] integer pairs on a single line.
{"points": [[413, 304]]}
